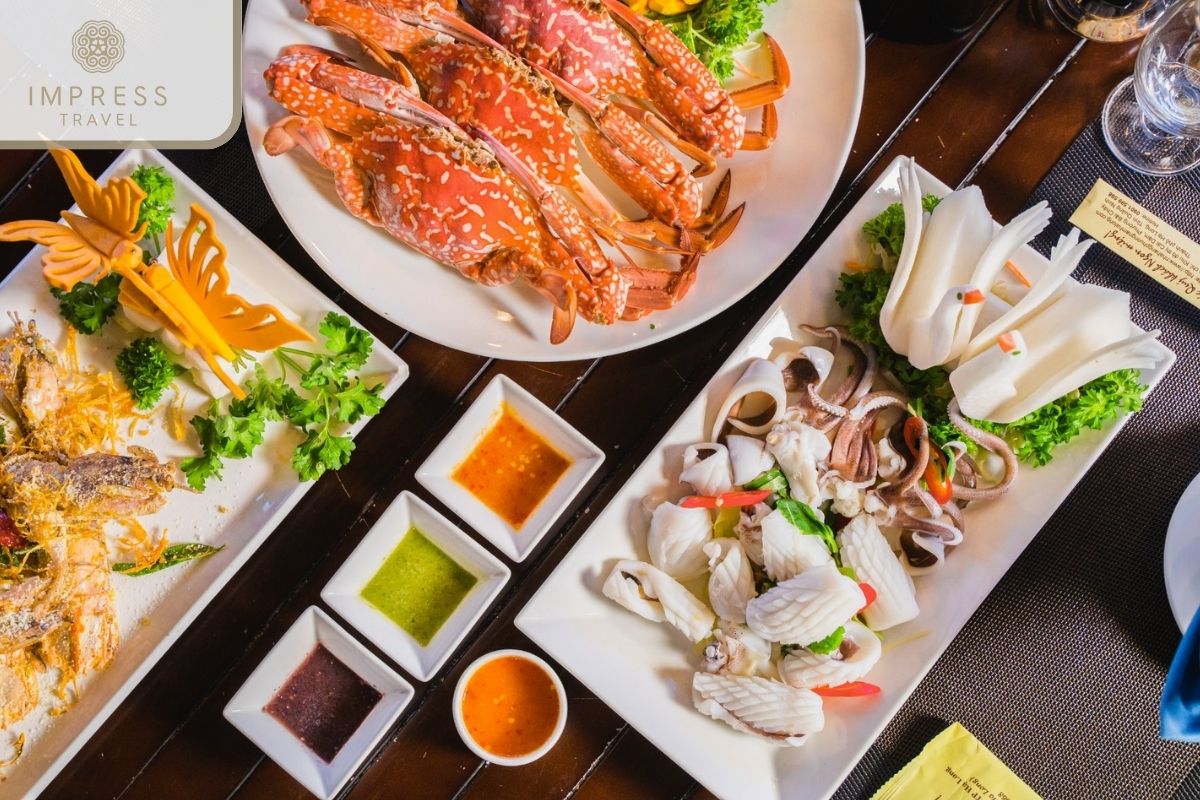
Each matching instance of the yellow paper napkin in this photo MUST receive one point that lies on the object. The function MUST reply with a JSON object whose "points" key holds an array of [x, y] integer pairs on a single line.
{"points": [[955, 766]]}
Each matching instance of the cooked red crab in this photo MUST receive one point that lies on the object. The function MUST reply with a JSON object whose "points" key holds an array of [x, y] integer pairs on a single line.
{"points": [[473, 80], [604, 48], [402, 165]]}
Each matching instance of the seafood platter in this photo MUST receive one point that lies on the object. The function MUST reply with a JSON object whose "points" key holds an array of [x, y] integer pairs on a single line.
{"points": [[772, 583], [164, 411], [447, 161]]}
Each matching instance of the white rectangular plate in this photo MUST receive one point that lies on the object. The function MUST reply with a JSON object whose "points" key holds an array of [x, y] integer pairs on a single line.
{"points": [[256, 494], [643, 671]]}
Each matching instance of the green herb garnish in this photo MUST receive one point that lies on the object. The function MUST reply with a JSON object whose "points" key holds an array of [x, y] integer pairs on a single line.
{"points": [[173, 555], [89, 305], [807, 521], [157, 209], [147, 370], [329, 396], [886, 230], [716, 29], [829, 644]]}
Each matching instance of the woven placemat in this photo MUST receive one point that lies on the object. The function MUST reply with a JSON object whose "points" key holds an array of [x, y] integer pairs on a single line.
{"points": [[1059, 672]]}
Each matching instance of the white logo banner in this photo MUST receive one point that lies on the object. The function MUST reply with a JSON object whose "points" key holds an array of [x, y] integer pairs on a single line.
{"points": [[119, 73]]}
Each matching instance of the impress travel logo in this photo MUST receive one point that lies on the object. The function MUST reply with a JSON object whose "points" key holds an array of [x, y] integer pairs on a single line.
{"points": [[90, 73], [98, 46]]}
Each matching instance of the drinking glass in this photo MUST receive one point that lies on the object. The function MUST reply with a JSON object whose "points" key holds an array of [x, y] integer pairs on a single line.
{"points": [[1108, 20], [1151, 120]]}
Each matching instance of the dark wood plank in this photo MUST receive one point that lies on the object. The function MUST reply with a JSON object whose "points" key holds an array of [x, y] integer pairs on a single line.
{"points": [[1069, 104], [900, 77], [634, 768]]}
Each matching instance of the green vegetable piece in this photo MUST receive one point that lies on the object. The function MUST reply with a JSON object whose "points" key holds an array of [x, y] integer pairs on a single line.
{"points": [[343, 339], [726, 520], [773, 479], [157, 209], [849, 573], [199, 470], [829, 644], [357, 401], [764, 585], [807, 521], [173, 555], [147, 370], [89, 305]]}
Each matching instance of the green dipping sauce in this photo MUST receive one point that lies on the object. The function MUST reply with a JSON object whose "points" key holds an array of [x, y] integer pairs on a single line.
{"points": [[419, 586]]}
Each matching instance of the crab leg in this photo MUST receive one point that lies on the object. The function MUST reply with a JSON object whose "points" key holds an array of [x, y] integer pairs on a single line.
{"points": [[767, 92], [682, 86], [599, 284], [658, 289]]}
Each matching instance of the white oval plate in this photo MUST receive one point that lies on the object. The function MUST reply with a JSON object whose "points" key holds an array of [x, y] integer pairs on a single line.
{"points": [[1181, 556], [785, 189]]}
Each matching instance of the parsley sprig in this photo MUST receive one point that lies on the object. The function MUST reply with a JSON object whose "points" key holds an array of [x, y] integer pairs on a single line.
{"points": [[157, 209], [89, 305], [715, 30], [327, 395]]}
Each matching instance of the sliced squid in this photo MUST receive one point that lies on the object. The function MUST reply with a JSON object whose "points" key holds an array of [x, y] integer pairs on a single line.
{"points": [[1074, 337], [730, 580], [801, 452], [858, 654], [989, 379], [865, 549], [924, 306], [748, 458], [654, 595], [756, 401], [890, 462], [1064, 258], [775, 711], [677, 538], [707, 469], [787, 551], [736, 650], [806, 608]]}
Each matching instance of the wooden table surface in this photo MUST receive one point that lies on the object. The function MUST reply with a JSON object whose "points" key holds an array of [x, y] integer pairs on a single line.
{"points": [[996, 106]]}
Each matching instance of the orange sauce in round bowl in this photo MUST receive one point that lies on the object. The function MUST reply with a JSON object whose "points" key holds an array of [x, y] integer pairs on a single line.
{"points": [[510, 707]]}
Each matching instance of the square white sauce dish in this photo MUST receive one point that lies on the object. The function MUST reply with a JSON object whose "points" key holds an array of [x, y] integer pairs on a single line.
{"points": [[319, 703], [510, 467], [416, 585]]}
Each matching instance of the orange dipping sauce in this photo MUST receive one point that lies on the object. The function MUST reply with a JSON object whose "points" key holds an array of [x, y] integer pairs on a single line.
{"points": [[511, 469], [510, 706]]}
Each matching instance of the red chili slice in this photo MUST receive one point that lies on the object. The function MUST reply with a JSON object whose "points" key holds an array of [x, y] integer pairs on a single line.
{"points": [[852, 689], [868, 592], [729, 499], [10, 537], [937, 473]]}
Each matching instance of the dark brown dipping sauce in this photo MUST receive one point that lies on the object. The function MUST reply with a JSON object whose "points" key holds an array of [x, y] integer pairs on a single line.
{"points": [[323, 703]]}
